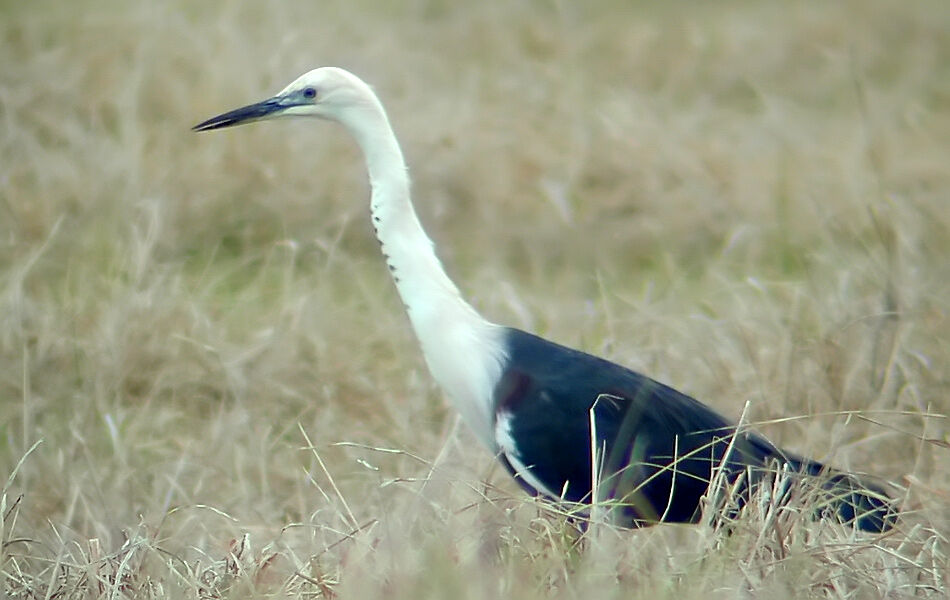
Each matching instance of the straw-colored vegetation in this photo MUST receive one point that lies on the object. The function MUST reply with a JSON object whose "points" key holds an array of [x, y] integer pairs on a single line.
{"points": [[207, 384]]}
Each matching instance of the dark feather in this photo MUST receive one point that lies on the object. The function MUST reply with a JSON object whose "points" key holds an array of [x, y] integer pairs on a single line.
{"points": [[658, 448]]}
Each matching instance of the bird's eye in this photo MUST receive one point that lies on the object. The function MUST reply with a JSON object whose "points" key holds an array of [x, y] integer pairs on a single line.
{"points": [[310, 93]]}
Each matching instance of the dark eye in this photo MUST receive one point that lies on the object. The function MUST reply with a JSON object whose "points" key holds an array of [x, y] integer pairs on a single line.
{"points": [[310, 93]]}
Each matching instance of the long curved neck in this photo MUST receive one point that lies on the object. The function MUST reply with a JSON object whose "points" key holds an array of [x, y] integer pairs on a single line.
{"points": [[462, 349]]}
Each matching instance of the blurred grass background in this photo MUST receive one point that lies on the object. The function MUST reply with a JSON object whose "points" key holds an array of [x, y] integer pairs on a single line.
{"points": [[748, 201]]}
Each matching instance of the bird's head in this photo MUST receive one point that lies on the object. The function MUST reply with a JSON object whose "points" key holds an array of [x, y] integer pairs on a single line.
{"points": [[327, 93]]}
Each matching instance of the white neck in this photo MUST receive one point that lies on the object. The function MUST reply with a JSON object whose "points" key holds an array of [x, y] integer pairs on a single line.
{"points": [[462, 349]]}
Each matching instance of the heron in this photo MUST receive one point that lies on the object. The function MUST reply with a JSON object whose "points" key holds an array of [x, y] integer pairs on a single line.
{"points": [[569, 426]]}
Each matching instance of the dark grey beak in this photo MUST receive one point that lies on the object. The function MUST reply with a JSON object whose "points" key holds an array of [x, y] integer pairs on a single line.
{"points": [[245, 114]]}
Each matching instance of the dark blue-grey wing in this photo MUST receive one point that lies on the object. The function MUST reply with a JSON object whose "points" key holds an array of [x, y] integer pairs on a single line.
{"points": [[656, 448]]}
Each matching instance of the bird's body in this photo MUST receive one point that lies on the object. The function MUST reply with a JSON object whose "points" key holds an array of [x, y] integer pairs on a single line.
{"points": [[569, 426]]}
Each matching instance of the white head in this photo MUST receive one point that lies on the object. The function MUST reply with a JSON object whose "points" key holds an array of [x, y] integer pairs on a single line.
{"points": [[326, 93]]}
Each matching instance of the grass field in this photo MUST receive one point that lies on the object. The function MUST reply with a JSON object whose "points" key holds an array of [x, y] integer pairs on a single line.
{"points": [[208, 388]]}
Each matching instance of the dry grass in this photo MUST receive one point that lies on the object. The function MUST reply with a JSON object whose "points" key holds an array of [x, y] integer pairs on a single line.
{"points": [[746, 200]]}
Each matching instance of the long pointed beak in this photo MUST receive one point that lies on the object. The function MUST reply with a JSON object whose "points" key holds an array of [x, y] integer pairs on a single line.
{"points": [[245, 114]]}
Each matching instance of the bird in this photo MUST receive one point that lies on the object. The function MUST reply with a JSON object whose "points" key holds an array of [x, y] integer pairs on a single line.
{"points": [[569, 426]]}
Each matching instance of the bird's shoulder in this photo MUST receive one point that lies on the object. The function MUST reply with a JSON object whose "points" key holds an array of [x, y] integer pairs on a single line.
{"points": [[543, 377]]}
